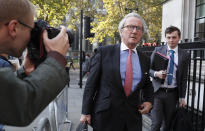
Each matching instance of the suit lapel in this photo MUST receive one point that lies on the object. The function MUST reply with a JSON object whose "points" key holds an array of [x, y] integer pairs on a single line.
{"points": [[143, 65], [180, 55], [142, 62], [116, 65], [164, 50]]}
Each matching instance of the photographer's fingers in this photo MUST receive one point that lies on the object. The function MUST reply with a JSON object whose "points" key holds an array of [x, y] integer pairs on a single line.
{"points": [[60, 43], [63, 30], [63, 38], [63, 33]]}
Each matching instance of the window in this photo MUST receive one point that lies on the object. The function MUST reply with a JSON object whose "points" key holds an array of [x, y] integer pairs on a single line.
{"points": [[200, 20], [200, 1]]}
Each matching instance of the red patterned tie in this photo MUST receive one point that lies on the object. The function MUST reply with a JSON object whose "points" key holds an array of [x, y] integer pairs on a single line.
{"points": [[128, 75]]}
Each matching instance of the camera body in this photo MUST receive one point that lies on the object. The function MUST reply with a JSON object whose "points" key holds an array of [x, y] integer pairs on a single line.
{"points": [[36, 48]]}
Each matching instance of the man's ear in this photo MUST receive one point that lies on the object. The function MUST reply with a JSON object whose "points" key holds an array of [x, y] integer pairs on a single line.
{"points": [[12, 28]]}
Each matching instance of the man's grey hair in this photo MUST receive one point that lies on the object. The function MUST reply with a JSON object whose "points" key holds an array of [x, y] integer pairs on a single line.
{"points": [[133, 14]]}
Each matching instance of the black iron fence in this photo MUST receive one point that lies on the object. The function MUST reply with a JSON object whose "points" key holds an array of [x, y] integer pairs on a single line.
{"points": [[195, 96]]}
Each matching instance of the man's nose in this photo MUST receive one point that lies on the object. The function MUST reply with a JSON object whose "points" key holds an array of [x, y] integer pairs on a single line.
{"points": [[171, 39], [135, 30]]}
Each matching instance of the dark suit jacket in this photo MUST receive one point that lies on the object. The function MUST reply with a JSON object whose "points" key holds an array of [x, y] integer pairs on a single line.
{"points": [[104, 95], [181, 73]]}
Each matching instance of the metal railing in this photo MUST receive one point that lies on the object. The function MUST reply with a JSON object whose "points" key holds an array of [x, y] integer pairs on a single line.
{"points": [[57, 119], [195, 96]]}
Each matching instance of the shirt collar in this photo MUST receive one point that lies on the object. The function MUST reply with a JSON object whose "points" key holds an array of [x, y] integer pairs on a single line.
{"points": [[124, 47], [175, 49]]}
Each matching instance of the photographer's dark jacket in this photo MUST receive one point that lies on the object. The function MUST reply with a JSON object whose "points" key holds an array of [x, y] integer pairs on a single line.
{"points": [[22, 100]]}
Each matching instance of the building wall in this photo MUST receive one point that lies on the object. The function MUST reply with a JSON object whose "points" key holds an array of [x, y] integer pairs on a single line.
{"points": [[179, 13], [188, 21]]}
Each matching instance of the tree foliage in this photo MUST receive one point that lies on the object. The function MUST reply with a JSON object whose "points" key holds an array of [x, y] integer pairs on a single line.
{"points": [[106, 14], [52, 11], [58, 12], [107, 25]]}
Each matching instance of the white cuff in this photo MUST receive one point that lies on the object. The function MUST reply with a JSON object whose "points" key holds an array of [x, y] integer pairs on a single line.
{"points": [[155, 74], [180, 99]]}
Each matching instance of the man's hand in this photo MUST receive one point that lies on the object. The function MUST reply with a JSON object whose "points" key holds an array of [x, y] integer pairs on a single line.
{"points": [[60, 43], [85, 118], [161, 74], [145, 107], [182, 103]]}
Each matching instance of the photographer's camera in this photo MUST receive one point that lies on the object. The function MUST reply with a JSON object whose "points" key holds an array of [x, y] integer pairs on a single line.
{"points": [[36, 48]]}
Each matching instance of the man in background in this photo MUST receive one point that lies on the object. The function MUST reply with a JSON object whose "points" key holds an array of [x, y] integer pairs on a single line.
{"points": [[173, 88]]}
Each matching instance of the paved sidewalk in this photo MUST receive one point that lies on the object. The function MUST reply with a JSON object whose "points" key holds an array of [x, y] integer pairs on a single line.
{"points": [[75, 95]]}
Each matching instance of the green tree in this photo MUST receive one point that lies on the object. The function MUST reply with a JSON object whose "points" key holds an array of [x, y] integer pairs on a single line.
{"points": [[53, 11], [106, 14], [56, 11], [106, 24]]}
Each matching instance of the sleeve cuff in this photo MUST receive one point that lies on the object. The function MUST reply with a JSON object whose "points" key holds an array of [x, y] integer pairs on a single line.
{"points": [[60, 58], [180, 99], [155, 74], [21, 72]]}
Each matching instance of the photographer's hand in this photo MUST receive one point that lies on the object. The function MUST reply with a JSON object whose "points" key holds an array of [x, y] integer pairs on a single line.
{"points": [[60, 43]]}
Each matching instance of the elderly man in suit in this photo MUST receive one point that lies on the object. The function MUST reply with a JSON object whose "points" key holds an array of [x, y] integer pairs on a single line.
{"points": [[118, 74], [173, 86]]}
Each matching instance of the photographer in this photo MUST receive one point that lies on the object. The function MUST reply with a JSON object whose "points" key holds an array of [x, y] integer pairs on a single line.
{"points": [[21, 100]]}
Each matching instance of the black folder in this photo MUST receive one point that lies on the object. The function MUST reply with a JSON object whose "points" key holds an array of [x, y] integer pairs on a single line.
{"points": [[160, 62]]}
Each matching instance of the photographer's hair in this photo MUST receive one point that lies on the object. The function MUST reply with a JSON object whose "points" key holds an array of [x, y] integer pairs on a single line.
{"points": [[133, 14], [171, 29], [16, 9]]}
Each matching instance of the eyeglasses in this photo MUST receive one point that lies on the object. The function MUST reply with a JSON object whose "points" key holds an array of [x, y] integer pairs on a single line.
{"points": [[132, 27], [22, 24], [25, 25]]}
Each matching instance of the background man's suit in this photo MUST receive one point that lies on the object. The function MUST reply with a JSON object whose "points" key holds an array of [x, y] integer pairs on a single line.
{"points": [[104, 96], [181, 78]]}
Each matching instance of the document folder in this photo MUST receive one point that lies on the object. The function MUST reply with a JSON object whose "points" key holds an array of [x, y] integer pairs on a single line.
{"points": [[160, 62]]}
